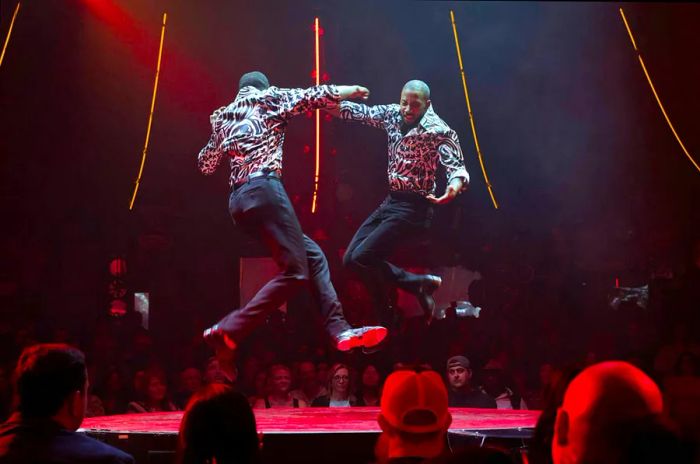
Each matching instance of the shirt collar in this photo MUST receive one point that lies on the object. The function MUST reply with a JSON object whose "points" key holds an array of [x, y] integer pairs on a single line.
{"points": [[247, 90], [242, 93], [431, 122]]}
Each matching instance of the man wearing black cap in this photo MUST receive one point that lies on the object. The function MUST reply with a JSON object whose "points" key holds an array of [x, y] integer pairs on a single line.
{"points": [[461, 393], [250, 133]]}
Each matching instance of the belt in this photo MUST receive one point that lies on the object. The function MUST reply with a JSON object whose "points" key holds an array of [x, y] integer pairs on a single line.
{"points": [[407, 195], [256, 175]]}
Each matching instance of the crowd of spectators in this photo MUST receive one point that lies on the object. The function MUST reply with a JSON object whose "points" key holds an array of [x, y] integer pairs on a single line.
{"points": [[536, 332], [608, 412]]}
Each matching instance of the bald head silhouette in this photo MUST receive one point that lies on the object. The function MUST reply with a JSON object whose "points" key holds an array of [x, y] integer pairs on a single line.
{"points": [[600, 404], [418, 86]]}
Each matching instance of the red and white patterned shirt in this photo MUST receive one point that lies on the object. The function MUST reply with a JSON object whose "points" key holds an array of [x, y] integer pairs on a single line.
{"points": [[251, 129], [413, 157]]}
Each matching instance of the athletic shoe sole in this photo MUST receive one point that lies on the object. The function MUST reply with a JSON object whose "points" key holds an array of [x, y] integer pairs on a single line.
{"points": [[370, 338]]}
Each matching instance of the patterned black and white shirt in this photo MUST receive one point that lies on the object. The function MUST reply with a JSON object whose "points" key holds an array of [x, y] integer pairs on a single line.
{"points": [[413, 157], [251, 129]]}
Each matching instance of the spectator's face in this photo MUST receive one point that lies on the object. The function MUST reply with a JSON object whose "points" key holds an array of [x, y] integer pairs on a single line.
{"points": [[251, 368], [156, 389], [458, 376], [341, 381], [307, 373], [281, 380], [493, 382], [214, 372], [370, 377], [191, 379]]}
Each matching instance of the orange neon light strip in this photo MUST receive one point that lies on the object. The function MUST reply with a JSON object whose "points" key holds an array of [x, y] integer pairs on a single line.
{"points": [[150, 116], [9, 31], [658, 100], [471, 115], [318, 122]]}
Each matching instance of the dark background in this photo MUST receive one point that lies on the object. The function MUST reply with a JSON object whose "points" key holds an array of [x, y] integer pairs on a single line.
{"points": [[591, 183]]}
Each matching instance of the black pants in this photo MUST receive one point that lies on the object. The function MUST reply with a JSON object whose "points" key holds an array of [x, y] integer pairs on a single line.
{"points": [[263, 210], [400, 216]]}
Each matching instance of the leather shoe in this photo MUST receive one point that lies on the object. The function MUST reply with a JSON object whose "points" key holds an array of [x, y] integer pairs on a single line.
{"points": [[428, 285]]}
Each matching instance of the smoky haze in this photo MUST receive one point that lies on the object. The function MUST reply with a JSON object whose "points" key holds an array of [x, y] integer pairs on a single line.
{"points": [[581, 161]]}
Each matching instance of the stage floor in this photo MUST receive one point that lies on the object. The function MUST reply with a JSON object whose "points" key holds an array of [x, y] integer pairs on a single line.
{"points": [[314, 420], [308, 435]]}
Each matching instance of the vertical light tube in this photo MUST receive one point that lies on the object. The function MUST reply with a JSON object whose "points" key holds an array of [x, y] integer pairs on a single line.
{"points": [[318, 120]]}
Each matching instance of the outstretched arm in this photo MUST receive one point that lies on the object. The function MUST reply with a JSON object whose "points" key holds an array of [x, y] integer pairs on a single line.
{"points": [[298, 101], [374, 116], [348, 92]]}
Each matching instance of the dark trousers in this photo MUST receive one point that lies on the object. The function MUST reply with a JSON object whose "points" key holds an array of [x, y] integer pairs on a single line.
{"points": [[400, 217], [262, 209]]}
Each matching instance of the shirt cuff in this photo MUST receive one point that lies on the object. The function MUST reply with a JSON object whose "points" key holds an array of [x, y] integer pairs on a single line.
{"points": [[459, 174]]}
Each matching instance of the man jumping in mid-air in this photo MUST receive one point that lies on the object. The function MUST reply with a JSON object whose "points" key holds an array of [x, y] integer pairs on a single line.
{"points": [[250, 131], [418, 139]]}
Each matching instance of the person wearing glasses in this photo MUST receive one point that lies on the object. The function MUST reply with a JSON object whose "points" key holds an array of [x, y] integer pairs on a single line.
{"points": [[339, 388]]}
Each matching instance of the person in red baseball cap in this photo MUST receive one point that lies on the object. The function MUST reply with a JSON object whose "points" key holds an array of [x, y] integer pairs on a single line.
{"points": [[413, 417]]}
